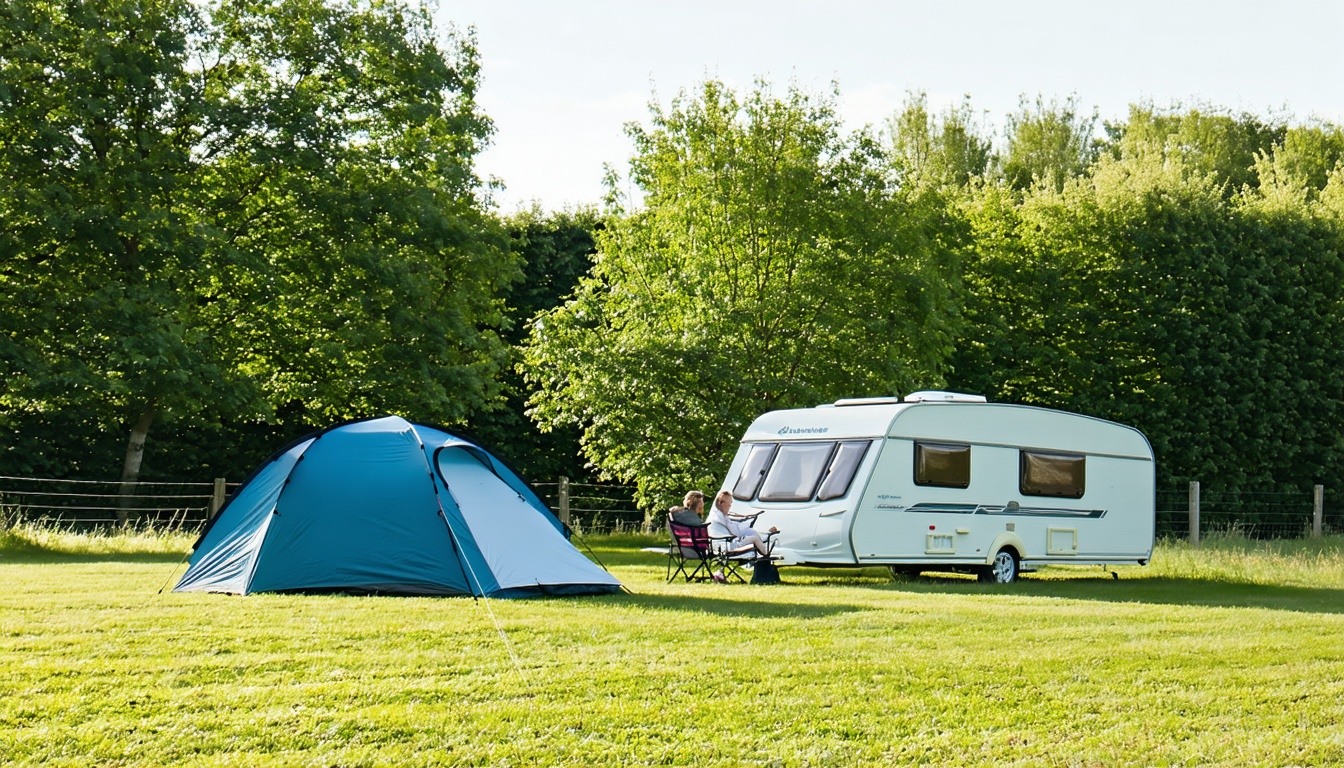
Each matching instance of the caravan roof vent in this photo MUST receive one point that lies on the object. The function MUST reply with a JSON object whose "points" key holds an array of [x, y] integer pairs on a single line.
{"points": [[938, 396], [868, 401]]}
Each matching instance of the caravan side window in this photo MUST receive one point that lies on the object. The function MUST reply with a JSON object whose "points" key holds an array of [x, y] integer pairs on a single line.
{"points": [[943, 465], [753, 472], [1052, 474]]}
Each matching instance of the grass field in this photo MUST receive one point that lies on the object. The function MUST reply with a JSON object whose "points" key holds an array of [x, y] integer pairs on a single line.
{"points": [[1232, 654]]}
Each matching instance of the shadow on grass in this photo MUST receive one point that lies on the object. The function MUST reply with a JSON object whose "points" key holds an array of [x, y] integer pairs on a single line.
{"points": [[1162, 590], [33, 555], [744, 599], [743, 603], [1185, 592], [1095, 585]]}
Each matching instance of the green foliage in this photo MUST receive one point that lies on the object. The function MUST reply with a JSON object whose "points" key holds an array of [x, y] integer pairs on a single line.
{"points": [[1207, 141], [101, 251], [557, 251], [1142, 293], [772, 263], [1048, 143], [1306, 159], [944, 151], [233, 222], [240, 213], [1224, 655]]}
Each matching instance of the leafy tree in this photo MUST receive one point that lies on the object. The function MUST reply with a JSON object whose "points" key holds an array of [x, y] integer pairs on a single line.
{"points": [[946, 150], [101, 249], [772, 264], [1143, 294], [1305, 159], [1048, 143], [1208, 141], [1332, 198], [557, 250], [241, 212]]}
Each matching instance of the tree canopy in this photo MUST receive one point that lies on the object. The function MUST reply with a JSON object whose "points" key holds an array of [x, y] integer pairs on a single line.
{"points": [[557, 251], [1048, 143], [227, 221], [1182, 273], [240, 211], [1147, 292], [771, 262]]}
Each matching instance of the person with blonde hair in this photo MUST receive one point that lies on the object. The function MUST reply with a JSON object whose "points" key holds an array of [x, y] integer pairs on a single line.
{"points": [[736, 525], [692, 506]]}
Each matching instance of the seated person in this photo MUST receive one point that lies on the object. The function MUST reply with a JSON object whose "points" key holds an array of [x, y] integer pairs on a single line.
{"points": [[692, 506], [743, 534]]}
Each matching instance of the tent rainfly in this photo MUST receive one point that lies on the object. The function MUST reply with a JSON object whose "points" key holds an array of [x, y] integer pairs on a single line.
{"points": [[384, 506]]}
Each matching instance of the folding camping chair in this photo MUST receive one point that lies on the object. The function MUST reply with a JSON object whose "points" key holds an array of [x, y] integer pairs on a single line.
{"points": [[690, 547], [731, 560]]}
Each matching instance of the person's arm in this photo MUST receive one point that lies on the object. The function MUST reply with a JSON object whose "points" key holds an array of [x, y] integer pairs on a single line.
{"points": [[727, 521]]}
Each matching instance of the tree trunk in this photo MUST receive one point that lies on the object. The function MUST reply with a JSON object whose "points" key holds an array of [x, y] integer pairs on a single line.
{"points": [[130, 471]]}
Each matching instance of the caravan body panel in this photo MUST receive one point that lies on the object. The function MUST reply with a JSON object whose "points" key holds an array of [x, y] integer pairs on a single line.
{"points": [[946, 484]]}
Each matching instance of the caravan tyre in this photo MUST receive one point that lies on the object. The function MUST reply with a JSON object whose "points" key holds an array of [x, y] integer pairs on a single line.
{"points": [[1003, 570]]}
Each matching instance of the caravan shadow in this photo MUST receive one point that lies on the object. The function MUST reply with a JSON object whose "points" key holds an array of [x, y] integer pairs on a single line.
{"points": [[1209, 593], [739, 607], [1098, 585]]}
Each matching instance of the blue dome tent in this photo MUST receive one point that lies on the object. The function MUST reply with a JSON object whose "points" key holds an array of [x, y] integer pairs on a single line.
{"points": [[388, 507]]}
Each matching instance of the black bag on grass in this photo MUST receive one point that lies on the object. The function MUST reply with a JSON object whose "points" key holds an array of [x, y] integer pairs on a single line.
{"points": [[764, 572]]}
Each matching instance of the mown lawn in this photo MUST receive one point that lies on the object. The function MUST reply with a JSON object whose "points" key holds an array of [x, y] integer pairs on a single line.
{"points": [[1228, 655]]}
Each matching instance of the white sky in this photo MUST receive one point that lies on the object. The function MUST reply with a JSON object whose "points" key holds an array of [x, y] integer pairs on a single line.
{"points": [[560, 78]]}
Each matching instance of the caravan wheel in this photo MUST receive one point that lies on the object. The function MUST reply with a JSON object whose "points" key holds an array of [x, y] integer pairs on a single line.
{"points": [[1004, 569]]}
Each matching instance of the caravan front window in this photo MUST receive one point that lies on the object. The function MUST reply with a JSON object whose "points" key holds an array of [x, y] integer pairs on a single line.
{"points": [[799, 471], [753, 472], [843, 467], [796, 471]]}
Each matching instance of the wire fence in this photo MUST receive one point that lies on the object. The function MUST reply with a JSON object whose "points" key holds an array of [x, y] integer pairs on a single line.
{"points": [[593, 508], [597, 508], [91, 504], [1252, 514]]}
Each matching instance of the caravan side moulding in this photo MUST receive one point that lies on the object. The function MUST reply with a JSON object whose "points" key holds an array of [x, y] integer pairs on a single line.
{"points": [[945, 481]]}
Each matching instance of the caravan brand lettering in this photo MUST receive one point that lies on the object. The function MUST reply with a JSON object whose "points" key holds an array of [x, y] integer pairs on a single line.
{"points": [[804, 430]]}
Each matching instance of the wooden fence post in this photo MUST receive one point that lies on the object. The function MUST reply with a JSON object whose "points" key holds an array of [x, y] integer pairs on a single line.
{"points": [[126, 501], [1317, 511], [564, 500], [217, 497], [1194, 513]]}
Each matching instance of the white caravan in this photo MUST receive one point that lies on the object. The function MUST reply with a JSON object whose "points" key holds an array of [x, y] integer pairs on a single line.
{"points": [[945, 481]]}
